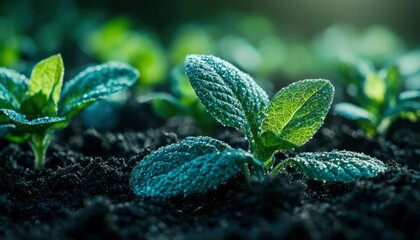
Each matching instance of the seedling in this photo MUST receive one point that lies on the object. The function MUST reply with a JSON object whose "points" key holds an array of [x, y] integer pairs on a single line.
{"points": [[32, 109], [378, 97], [295, 113]]}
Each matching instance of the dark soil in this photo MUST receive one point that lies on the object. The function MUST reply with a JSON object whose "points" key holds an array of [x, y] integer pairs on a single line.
{"points": [[83, 191]]}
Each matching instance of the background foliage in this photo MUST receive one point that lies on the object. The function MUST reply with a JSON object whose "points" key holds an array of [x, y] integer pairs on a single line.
{"points": [[278, 42]]}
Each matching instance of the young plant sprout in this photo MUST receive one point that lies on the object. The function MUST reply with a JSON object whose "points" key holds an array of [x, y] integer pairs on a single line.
{"points": [[378, 97], [232, 97], [32, 109]]}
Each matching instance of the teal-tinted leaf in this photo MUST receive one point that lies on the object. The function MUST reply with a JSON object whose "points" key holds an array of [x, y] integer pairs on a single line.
{"points": [[409, 101], [95, 83], [23, 124], [229, 95], [412, 96], [6, 128], [353, 112], [409, 63], [341, 166], [296, 112], [194, 165], [13, 87], [47, 77]]}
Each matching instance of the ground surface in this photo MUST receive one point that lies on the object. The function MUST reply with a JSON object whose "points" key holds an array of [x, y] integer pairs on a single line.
{"points": [[83, 191]]}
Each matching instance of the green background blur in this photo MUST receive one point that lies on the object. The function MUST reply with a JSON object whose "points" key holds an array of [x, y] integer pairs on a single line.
{"points": [[276, 41]]}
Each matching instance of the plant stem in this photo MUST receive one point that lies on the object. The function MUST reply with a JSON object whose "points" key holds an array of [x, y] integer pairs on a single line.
{"points": [[247, 173], [279, 167], [39, 144], [383, 126]]}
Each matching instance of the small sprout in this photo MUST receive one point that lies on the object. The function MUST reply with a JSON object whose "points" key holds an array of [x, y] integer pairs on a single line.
{"points": [[378, 97], [32, 109], [295, 113]]}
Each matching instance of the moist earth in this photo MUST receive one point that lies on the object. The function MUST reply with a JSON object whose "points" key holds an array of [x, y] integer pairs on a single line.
{"points": [[83, 191]]}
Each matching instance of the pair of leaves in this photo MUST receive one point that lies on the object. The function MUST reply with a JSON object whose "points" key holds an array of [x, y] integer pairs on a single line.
{"points": [[39, 103], [408, 102], [379, 98], [33, 105], [198, 164], [234, 99]]}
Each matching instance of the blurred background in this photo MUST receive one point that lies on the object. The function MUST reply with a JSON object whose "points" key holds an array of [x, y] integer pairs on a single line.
{"points": [[269, 39], [277, 42]]}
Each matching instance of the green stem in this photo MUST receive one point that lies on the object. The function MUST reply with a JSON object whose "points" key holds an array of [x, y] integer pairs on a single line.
{"points": [[279, 167], [39, 144], [247, 173], [383, 126]]}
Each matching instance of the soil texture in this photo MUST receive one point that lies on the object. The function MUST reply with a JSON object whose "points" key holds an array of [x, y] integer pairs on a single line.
{"points": [[83, 191]]}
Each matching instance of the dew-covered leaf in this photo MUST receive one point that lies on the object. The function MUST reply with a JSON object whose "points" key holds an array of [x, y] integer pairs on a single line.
{"points": [[47, 78], [341, 166], [229, 95], [296, 112], [353, 112], [95, 83], [13, 87], [194, 165], [23, 124]]}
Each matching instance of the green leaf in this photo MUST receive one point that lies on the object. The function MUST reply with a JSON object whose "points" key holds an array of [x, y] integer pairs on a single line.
{"points": [[341, 166], [37, 105], [229, 95], [13, 87], [393, 84], [194, 165], [35, 125], [95, 83], [375, 88], [296, 112], [409, 101], [411, 96], [47, 77], [353, 112]]}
